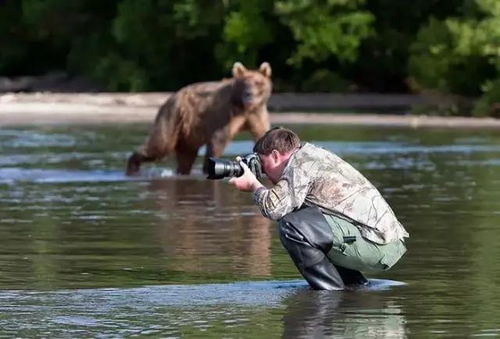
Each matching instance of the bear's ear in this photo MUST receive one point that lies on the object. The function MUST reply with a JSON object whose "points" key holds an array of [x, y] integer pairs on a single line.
{"points": [[265, 69], [238, 69]]}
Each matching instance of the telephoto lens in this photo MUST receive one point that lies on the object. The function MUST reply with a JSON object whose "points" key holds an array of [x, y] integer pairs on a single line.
{"points": [[221, 168]]}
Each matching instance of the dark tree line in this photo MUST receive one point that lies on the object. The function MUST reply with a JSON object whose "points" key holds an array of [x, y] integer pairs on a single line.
{"points": [[442, 46]]}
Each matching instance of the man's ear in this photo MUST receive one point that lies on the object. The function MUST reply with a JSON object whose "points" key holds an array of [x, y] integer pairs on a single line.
{"points": [[275, 155]]}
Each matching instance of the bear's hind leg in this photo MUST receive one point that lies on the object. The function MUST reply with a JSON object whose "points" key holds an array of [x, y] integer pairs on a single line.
{"points": [[134, 163], [150, 152], [136, 159]]}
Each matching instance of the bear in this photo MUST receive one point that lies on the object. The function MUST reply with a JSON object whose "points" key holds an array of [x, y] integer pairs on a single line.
{"points": [[207, 113]]}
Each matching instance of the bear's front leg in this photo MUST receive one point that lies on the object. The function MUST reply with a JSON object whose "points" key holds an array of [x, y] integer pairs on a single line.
{"points": [[216, 146], [258, 124], [185, 158]]}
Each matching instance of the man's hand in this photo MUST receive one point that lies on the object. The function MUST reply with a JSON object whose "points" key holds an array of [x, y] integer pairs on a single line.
{"points": [[247, 182]]}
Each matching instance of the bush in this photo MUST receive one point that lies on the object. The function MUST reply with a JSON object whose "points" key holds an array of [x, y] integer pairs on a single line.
{"points": [[460, 56]]}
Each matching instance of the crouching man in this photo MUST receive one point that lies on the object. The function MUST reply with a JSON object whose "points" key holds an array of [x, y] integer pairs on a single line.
{"points": [[332, 221]]}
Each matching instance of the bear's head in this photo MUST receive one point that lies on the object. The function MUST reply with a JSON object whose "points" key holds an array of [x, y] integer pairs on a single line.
{"points": [[251, 88]]}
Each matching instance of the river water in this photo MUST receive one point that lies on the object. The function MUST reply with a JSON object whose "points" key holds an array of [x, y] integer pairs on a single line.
{"points": [[88, 252]]}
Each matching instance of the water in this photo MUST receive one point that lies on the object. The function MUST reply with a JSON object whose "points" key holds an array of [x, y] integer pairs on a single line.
{"points": [[88, 252]]}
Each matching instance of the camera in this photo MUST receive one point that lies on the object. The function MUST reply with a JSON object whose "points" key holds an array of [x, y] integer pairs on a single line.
{"points": [[222, 168]]}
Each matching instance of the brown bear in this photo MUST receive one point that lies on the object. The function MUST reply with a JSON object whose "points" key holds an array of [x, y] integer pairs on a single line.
{"points": [[208, 113]]}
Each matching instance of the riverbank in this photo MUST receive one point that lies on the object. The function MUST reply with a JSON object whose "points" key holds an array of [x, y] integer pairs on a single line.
{"points": [[81, 108]]}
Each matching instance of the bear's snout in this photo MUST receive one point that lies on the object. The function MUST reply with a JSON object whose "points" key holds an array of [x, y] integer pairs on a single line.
{"points": [[247, 97]]}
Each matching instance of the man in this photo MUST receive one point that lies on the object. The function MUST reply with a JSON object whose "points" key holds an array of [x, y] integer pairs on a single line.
{"points": [[332, 221]]}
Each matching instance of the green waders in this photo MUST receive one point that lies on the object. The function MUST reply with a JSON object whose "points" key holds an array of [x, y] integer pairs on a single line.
{"points": [[330, 252], [351, 250]]}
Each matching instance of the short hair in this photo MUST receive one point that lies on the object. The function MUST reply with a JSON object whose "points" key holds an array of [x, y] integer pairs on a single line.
{"points": [[278, 138]]}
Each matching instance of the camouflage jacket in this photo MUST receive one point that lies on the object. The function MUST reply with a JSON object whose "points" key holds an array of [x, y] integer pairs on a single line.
{"points": [[316, 177]]}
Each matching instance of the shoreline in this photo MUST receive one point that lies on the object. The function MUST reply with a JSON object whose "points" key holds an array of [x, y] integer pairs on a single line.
{"points": [[89, 108]]}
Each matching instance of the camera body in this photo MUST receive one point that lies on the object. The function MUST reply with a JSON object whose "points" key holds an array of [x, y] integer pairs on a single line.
{"points": [[222, 168]]}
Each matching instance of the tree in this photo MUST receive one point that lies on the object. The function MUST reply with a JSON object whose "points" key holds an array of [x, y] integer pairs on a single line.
{"points": [[461, 54]]}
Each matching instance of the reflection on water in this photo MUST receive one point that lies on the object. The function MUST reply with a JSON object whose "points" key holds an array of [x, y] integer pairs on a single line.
{"points": [[89, 252], [233, 231], [316, 314], [16, 175], [244, 307]]}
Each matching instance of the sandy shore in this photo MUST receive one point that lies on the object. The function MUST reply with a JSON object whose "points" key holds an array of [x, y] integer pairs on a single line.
{"points": [[53, 108]]}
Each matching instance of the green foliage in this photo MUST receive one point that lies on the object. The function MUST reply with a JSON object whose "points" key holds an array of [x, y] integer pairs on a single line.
{"points": [[162, 42], [13, 39], [323, 80], [460, 55], [325, 28], [445, 58], [489, 103], [247, 28], [449, 46]]}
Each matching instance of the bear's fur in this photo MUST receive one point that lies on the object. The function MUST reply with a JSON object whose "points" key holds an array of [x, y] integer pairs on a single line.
{"points": [[208, 113]]}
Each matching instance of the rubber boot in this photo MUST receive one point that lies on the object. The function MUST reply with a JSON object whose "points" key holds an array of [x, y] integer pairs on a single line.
{"points": [[352, 278], [311, 262]]}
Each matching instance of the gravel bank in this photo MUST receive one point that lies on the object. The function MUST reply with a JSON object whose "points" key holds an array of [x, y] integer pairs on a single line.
{"points": [[80, 108]]}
